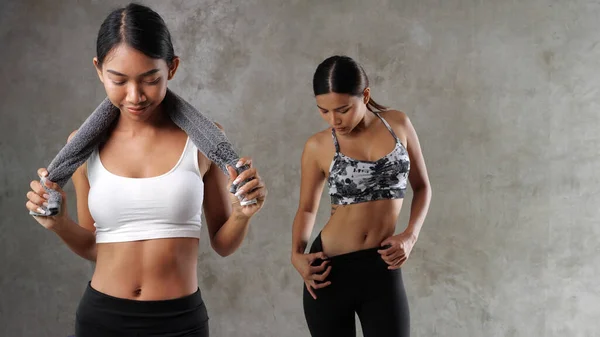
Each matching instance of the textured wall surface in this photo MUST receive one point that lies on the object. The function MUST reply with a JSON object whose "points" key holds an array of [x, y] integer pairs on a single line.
{"points": [[504, 96]]}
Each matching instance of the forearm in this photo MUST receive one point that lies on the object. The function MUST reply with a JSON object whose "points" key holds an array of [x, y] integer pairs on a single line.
{"points": [[231, 235], [301, 229], [418, 210], [80, 240]]}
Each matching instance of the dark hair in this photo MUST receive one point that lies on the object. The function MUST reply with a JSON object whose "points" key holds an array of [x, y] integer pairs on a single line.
{"points": [[343, 75], [139, 27]]}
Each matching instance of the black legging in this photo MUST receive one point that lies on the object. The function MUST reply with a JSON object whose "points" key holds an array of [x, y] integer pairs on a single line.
{"points": [[361, 284], [101, 315]]}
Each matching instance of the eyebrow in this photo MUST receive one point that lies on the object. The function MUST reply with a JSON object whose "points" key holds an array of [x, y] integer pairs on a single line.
{"points": [[150, 72], [338, 108]]}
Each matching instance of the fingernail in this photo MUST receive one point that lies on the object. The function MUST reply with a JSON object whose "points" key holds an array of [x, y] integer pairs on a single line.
{"points": [[46, 196], [238, 193], [236, 181], [40, 210], [239, 164], [45, 204]]}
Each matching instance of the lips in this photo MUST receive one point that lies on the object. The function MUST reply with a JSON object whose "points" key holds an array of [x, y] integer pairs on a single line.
{"points": [[137, 110]]}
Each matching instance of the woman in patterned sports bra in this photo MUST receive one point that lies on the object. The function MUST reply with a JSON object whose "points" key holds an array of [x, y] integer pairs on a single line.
{"points": [[367, 158]]}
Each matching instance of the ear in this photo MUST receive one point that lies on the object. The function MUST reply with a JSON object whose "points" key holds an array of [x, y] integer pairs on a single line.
{"points": [[173, 67], [98, 69], [366, 95]]}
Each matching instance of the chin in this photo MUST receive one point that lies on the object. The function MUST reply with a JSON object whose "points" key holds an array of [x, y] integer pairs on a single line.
{"points": [[139, 114], [343, 130]]}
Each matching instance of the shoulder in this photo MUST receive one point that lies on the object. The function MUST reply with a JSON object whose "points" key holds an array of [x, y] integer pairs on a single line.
{"points": [[219, 126], [398, 120], [319, 141], [319, 148], [72, 135], [395, 118], [205, 164], [82, 170], [400, 123]]}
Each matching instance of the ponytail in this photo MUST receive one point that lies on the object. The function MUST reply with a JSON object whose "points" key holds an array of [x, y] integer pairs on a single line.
{"points": [[374, 106]]}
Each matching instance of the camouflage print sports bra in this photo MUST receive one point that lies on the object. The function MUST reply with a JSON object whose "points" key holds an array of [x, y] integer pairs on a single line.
{"points": [[353, 181]]}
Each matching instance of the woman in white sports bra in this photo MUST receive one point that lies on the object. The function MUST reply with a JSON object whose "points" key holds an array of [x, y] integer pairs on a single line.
{"points": [[141, 195], [367, 157]]}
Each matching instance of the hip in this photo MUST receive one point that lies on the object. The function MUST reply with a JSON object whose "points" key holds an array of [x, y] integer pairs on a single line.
{"points": [[98, 311], [359, 272], [352, 264]]}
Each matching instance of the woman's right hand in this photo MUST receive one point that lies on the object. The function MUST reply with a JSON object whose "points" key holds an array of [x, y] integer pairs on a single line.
{"points": [[310, 273], [38, 196]]}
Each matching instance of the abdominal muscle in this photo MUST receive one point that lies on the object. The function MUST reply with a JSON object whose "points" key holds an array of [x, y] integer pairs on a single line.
{"points": [[147, 270], [359, 226]]}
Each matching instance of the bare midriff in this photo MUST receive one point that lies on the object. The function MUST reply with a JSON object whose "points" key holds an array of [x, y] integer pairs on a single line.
{"points": [[147, 270], [359, 226]]}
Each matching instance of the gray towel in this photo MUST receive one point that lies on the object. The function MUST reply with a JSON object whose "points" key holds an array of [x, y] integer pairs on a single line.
{"points": [[207, 137]]}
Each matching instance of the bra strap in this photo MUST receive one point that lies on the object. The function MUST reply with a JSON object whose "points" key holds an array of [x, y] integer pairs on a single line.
{"points": [[388, 127], [335, 141]]}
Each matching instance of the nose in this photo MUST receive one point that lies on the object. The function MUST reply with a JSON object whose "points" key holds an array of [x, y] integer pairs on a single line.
{"points": [[135, 94], [334, 119]]}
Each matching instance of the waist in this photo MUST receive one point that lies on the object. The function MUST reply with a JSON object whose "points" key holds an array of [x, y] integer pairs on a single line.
{"points": [[362, 261], [99, 313], [360, 226], [117, 305], [147, 270]]}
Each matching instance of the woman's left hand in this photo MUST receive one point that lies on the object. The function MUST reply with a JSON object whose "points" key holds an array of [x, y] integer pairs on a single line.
{"points": [[253, 189], [400, 247]]}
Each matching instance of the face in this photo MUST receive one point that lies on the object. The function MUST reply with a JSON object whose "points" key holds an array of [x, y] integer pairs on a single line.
{"points": [[135, 82], [342, 112]]}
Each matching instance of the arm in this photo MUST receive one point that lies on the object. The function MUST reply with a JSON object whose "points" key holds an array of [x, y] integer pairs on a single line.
{"points": [[227, 228], [311, 187], [401, 245], [418, 179], [80, 237], [80, 240], [227, 220]]}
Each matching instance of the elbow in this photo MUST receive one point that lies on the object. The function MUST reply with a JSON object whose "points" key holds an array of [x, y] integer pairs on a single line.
{"points": [[92, 254], [222, 251], [89, 255], [225, 254], [217, 249], [424, 188]]}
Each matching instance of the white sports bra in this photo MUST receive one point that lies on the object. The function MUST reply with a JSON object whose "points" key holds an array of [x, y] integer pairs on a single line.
{"points": [[131, 209]]}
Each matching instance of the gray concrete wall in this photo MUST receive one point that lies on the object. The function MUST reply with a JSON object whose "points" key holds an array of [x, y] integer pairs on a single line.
{"points": [[504, 96]]}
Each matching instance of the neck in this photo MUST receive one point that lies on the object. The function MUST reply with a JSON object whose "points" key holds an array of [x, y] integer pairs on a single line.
{"points": [[367, 121]]}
